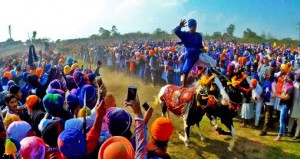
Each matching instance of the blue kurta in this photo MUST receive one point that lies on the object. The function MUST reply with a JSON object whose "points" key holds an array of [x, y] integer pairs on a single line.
{"points": [[193, 45]]}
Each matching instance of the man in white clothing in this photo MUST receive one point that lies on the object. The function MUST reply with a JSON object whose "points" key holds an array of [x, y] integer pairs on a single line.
{"points": [[256, 95]]}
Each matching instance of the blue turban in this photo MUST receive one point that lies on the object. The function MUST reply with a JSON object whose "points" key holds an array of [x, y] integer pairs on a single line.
{"points": [[91, 94], [192, 23], [91, 77], [72, 101], [70, 61]]}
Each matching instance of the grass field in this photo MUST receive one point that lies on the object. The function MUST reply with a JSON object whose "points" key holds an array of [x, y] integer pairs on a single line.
{"points": [[249, 145]]}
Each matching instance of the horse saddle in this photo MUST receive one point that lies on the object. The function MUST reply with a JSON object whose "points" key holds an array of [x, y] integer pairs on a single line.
{"points": [[177, 97]]}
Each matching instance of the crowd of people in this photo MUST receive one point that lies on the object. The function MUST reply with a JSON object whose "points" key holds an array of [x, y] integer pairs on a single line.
{"points": [[54, 108]]}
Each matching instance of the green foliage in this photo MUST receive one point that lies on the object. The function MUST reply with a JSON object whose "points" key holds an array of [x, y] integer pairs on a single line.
{"points": [[230, 30], [95, 36], [34, 35], [104, 33], [114, 31]]}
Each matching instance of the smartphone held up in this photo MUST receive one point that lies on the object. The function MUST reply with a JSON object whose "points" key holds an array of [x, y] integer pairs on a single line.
{"points": [[131, 93]]}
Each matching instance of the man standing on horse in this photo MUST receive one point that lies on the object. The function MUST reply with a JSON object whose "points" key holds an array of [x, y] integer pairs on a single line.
{"points": [[192, 41]]}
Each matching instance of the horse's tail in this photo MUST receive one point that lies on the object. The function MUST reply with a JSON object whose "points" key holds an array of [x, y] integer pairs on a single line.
{"points": [[223, 93], [161, 92]]}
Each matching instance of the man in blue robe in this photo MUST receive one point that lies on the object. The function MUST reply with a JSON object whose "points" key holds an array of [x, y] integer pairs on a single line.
{"points": [[192, 41]]}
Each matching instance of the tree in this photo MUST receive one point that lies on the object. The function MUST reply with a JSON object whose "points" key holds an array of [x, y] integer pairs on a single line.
{"points": [[95, 36], [269, 36], [249, 34], [34, 35], [114, 31], [263, 35], [230, 29], [159, 32], [104, 33], [217, 35]]}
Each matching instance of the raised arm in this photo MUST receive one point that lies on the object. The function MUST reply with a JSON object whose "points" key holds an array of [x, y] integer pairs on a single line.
{"points": [[178, 31]]}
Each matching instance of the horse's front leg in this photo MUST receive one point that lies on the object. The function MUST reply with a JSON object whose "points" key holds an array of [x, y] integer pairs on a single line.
{"points": [[233, 134], [163, 108], [186, 136], [200, 132]]}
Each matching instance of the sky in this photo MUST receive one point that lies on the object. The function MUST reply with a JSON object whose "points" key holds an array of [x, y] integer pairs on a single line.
{"points": [[65, 19]]}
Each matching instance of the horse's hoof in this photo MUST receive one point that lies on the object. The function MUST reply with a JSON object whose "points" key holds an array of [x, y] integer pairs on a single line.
{"points": [[186, 145]]}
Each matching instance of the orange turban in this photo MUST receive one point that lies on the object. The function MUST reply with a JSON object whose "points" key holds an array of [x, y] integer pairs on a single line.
{"points": [[223, 56], [8, 75], [254, 83], [61, 61], [161, 129], [31, 100], [284, 68], [151, 52], [109, 101], [39, 72], [116, 147]]}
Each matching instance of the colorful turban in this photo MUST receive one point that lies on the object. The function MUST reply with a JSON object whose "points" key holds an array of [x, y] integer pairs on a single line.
{"points": [[254, 83], [12, 146], [91, 77], [74, 66], [67, 70], [31, 101], [70, 61], [10, 118], [61, 61], [8, 75], [118, 121], [33, 148], [91, 94], [72, 101], [151, 52], [10, 83], [39, 72], [13, 73], [72, 144], [56, 91], [56, 84], [79, 78], [18, 130], [53, 104], [74, 123], [70, 82], [84, 111], [192, 23], [137, 54], [161, 129], [284, 68], [116, 147]]}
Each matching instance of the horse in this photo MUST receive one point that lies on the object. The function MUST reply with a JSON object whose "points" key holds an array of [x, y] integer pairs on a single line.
{"points": [[183, 102]]}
